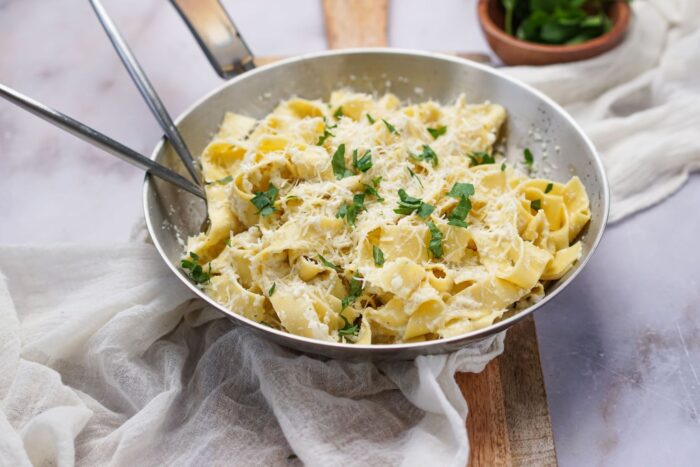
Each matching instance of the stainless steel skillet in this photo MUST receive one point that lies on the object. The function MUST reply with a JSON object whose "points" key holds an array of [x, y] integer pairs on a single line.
{"points": [[534, 121]]}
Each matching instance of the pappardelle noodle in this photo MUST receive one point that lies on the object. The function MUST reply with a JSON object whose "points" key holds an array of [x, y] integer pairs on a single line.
{"points": [[365, 221]]}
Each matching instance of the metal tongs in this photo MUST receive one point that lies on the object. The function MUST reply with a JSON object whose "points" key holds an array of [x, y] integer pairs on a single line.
{"points": [[149, 94]]}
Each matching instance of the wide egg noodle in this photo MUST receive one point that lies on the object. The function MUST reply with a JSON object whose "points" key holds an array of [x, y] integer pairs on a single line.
{"points": [[294, 268]]}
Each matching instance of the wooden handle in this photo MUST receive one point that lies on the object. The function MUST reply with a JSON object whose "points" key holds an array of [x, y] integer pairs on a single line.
{"points": [[355, 23]]}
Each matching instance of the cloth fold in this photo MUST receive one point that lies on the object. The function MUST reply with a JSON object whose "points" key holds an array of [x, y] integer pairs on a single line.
{"points": [[106, 359], [120, 364]]}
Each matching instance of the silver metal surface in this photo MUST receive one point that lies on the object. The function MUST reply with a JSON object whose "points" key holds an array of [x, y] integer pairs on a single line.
{"points": [[146, 89], [98, 139], [217, 35], [533, 119]]}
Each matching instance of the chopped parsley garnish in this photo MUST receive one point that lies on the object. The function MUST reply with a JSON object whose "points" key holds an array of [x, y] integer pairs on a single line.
{"points": [[364, 163], [272, 289], [425, 210], [338, 112], [327, 263], [390, 127], [529, 160], [461, 189], [372, 191], [481, 158], [354, 292], [437, 132], [459, 214], [265, 200], [549, 188], [322, 139], [408, 205], [349, 329], [378, 255], [351, 210], [194, 270], [370, 119], [427, 155], [225, 180], [292, 456], [536, 204], [435, 244], [338, 163], [503, 167], [413, 175]]}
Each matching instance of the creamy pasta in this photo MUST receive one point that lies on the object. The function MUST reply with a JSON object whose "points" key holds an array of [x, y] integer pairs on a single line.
{"points": [[362, 220]]}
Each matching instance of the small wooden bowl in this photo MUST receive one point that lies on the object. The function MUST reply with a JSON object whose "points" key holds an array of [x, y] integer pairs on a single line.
{"points": [[514, 51]]}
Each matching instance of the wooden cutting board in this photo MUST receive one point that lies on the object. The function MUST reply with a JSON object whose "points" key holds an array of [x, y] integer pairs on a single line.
{"points": [[508, 421]]}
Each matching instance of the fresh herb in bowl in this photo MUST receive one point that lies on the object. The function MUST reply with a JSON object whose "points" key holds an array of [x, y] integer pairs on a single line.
{"points": [[561, 22]]}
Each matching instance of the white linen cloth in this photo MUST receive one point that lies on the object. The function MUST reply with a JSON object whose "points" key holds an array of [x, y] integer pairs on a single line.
{"points": [[106, 359]]}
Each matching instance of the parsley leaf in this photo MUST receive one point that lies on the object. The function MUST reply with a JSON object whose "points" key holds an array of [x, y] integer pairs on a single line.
{"points": [[372, 191], [272, 289], [338, 163], [437, 132], [327, 263], [350, 211], [481, 158], [435, 244], [292, 456], [378, 255], [408, 205], [461, 189], [390, 127], [225, 180], [364, 163], [427, 155], [425, 210], [349, 329], [549, 188], [354, 292], [326, 133], [265, 200], [460, 212], [370, 119], [413, 175], [503, 167], [338, 113], [536, 204], [560, 22], [194, 270], [529, 160]]}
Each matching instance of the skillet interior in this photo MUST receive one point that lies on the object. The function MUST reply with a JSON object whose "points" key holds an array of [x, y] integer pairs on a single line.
{"points": [[534, 121]]}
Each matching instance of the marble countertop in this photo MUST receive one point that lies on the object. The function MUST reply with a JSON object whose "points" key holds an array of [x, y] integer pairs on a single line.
{"points": [[620, 347]]}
